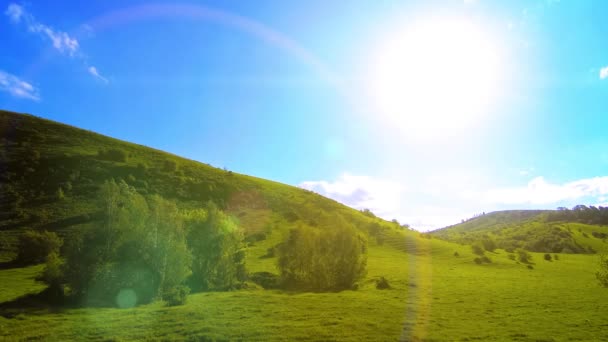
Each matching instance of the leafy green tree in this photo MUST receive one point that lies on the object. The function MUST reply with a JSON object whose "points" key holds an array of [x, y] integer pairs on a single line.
{"points": [[332, 257], [137, 249], [217, 245]]}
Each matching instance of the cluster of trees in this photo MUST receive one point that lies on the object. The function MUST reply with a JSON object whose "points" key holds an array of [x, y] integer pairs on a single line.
{"points": [[581, 213], [331, 257], [149, 248]]}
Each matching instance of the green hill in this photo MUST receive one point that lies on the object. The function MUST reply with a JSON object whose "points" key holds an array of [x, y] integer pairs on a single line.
{"points": [[51, 172], [549, 231], [49, 177]]}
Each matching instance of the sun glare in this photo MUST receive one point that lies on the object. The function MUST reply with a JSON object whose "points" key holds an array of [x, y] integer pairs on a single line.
{"points": [[435, 77]]}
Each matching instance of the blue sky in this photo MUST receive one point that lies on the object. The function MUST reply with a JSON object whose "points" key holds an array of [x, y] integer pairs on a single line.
{"points": [[428, 112]]}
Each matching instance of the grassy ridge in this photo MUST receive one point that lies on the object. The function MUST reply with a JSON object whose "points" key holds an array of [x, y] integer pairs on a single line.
{"points": [[531, 230]]}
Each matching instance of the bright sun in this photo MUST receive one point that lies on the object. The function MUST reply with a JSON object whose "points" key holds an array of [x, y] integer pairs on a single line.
{"points": [[435, 77]]}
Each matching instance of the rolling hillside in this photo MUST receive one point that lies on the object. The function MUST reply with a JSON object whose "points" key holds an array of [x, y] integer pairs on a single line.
{"points": [[50, 174], [534, 230]]}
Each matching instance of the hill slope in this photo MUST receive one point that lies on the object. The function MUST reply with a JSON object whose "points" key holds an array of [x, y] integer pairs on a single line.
{"points": [[50, 173], [535, 230]]}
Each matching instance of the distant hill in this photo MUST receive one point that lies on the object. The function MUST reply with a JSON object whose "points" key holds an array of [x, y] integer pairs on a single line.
{"points": [[551, 231], [50, 173]]}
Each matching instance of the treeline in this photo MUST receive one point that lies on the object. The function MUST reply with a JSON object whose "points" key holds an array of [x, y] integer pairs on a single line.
{"points": [[581, 213], [148, 248]]}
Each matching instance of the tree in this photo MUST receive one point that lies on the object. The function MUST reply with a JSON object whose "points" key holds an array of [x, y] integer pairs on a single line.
{"points": [[138, 248], [332, 257], [217, 245]]}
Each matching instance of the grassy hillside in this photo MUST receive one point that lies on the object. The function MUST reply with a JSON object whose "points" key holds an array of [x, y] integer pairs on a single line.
{"points": [[437, 292], [51, 172], [534, 230]]}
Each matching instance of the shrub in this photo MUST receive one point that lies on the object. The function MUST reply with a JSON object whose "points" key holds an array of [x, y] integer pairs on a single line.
{"points": [[478, 261], [177, 295], [35, 247], [523, 256], [530, 267], [555, 257], [548, 257], [477, 249], [456, 254], [511, 256], [382, 284]]}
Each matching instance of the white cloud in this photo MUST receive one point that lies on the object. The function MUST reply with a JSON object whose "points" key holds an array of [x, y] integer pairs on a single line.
{"points": [[361, 192], [93, 71], [60, 40], [14, 12], [13, 85], [604, 72], [431, 202], [538, 191]]}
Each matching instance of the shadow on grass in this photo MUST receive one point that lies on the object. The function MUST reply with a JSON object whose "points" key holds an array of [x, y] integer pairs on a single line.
{"points": [[38, 303]]}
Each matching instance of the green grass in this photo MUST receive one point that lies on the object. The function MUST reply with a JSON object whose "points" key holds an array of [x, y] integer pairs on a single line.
{"points": [[15, 282], [434, 296]]}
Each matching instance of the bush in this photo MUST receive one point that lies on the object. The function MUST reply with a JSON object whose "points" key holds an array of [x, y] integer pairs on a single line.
{"points": [[530, 267], [482, 260], [548, 257], [456, 254], [382, 284], [176, 295], [511, 256], [555, 257], [477, 249], [35, 247], [523, 256]]}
